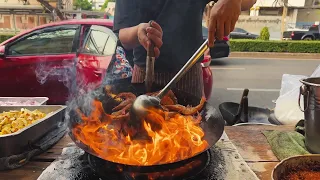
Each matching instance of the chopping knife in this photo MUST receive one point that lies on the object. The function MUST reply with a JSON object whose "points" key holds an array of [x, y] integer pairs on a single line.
{"points": [[149, 78]]}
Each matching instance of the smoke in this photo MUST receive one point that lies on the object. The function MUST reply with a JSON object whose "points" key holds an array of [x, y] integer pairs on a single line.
{"points": [[81, 93], [62, 73]]}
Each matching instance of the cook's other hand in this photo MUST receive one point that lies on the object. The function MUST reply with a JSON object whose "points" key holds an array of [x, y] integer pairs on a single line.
{"points": [[223, 17], [142, 34], [150, 32]]}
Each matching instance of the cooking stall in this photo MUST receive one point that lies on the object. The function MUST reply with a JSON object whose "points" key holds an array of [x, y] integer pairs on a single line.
{"points": [[183, 137], [233, 152]]}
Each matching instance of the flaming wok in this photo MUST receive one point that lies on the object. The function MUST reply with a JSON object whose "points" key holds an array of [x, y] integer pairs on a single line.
{"points": [[187, 127]]}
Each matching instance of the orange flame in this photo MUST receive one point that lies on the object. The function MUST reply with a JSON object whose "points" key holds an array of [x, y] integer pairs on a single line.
{"points": [[179, 138]]}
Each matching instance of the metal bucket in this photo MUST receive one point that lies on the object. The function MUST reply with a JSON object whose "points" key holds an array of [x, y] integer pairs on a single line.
{"points": [[311, 95]]}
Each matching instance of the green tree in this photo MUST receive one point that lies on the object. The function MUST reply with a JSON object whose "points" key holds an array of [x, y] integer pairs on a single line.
{"points": [[105, 5], [264, 34], [83, 4]]}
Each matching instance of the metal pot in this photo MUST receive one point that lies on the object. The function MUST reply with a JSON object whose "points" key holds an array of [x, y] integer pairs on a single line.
{"points": [[294, 164], [311, 95]]}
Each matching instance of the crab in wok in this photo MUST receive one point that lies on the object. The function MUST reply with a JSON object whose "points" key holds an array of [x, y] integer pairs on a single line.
{"points": [[169, 104], [114, 135]]}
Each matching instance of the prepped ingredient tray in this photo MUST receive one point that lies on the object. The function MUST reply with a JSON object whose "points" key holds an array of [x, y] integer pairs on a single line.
{"points": [[19, 141], [23, 101]]}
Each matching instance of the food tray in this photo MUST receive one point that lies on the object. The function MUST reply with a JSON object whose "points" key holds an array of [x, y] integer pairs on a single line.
{"points": [[39, 100], [20, 141]]}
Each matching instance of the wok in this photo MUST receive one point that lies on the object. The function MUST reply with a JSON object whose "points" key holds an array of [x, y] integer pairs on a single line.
{"points": [[212, 122]]}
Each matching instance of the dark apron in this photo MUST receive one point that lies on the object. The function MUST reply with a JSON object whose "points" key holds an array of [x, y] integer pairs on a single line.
{"points": [[191, 82]]}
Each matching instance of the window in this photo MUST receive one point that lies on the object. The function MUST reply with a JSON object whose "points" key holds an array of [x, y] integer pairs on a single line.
{"points": [[314, 28], [100, 42], [99, 38], [110, 47], [49, 42], [204, 32], [240, 30]]}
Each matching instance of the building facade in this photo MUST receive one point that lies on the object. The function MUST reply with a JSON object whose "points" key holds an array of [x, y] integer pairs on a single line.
{"points": [[97, 4], [20, 15], [301, 13]]}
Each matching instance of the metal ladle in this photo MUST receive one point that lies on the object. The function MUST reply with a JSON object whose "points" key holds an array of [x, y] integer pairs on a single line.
{"points": [[144, 102]]}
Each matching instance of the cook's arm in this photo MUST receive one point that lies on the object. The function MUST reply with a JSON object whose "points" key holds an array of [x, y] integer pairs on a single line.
{"points": [[247, 4], [126, 22], [129, 38]]}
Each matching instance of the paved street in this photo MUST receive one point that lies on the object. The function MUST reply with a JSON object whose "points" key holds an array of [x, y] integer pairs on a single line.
{"points": [[261, 76]]}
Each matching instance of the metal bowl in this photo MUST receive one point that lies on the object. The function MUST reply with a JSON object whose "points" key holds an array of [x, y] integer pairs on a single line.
{"points": [[293, 164]]}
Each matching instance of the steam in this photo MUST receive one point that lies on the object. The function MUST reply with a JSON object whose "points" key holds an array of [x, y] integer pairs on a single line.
{"points": [[81, 94]]}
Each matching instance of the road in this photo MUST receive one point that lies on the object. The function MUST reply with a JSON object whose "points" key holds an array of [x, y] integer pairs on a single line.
{"points": [[261, 76]]}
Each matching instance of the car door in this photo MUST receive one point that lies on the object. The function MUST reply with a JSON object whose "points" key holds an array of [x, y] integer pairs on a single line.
{"points": [[95, 55], [37, 63], [235, 34]]}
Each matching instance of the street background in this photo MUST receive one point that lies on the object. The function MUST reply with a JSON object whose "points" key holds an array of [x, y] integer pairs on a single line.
{"points": [[261, 76]]}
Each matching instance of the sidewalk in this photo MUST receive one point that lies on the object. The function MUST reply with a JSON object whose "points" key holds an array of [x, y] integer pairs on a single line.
{"points": [[266, 55]]}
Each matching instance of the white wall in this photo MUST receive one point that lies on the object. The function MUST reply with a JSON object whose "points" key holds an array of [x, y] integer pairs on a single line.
{"points": [[254, 24], [97, 4], [271, 3]]}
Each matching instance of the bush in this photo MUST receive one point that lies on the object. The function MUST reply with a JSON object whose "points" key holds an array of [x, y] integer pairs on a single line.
{"points": [[5, 37], [264, 34], [275, 46]]}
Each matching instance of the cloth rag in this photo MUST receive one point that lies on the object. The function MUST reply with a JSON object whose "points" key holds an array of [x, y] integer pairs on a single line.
{"points": [[287, 144]]}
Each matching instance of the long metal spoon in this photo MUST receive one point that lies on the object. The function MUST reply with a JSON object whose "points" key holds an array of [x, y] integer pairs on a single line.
{"points": [[144, 102]]}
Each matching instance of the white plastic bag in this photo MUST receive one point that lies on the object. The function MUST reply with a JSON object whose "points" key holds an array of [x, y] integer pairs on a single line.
{"points": [[287, 109]]}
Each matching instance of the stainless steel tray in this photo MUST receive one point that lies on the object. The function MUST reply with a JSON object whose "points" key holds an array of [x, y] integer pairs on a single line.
{"points": [[20, 141], [39, 100]]}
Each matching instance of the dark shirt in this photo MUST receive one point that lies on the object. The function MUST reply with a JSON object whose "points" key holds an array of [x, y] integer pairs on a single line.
{"points": [[181, 22]]}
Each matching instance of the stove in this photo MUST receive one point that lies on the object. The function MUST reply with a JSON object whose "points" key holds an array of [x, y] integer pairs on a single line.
{"points": [[207, 165], [222, 161]]}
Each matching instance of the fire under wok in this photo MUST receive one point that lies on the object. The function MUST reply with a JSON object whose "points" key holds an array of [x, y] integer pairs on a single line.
{"points": [[88, 128]]}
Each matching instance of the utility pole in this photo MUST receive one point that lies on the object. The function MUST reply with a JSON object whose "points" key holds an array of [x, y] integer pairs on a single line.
{"points": [[284, 16]]}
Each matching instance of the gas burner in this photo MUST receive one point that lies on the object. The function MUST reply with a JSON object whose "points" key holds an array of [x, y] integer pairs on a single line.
{"points": [[177, 171], [78, 165]]}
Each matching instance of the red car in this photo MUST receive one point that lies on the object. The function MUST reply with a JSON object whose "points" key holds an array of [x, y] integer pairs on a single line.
{"points": [[34, 63]]}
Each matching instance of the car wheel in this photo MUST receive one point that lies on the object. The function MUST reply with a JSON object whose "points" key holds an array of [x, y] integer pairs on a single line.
{"points": [[308, 38]]}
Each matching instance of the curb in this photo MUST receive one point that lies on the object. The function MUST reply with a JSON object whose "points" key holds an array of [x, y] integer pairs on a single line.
{"points": [[262, 55]]}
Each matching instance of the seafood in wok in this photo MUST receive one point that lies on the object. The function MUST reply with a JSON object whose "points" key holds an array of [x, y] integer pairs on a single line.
{"points": [[167, 135]]}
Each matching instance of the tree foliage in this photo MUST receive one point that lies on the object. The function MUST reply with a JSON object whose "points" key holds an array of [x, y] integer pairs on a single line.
{"points": [[83, 4], [105, 5], [264, 34]]}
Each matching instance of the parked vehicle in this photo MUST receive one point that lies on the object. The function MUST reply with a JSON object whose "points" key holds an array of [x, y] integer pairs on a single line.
{"points": [[221, 48], [312, 34], [31, 61], [239, 33]]}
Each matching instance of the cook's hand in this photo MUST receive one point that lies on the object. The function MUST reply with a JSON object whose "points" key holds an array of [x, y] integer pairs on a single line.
{"points": [[147, 34], [223, 17]]}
